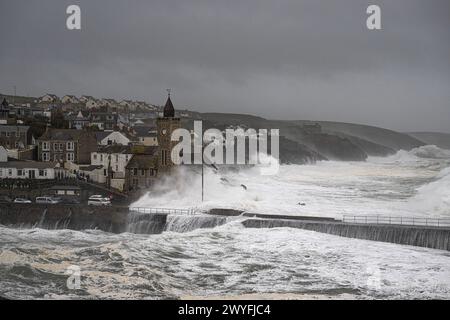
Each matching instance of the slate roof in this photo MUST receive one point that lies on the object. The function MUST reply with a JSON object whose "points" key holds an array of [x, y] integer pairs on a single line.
{"points": [[144, 131], [12, 128], [62, 134], [142, 161], [29, 164], [115, 148]]}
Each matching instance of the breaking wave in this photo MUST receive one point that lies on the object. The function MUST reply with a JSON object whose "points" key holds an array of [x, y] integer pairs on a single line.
{"points": [[435, 196], [411, 182]]}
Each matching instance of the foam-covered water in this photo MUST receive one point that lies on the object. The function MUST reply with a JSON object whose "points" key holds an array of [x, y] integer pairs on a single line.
{"points": [[223, 258], [407, 183], [225, 261]]}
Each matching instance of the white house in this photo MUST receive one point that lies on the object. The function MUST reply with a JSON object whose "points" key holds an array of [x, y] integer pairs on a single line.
{"points": [[126, 103], [3, 154], [94, 173], [108, 102], [114, 137], [48, 98], [92, 103], [116, 156], [146, 135], [31, 170], [69, 99], [85, 98]]}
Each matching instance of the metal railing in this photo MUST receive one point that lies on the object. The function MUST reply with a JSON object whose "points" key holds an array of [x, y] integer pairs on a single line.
{"points": [[163, 210], [410, 221]]}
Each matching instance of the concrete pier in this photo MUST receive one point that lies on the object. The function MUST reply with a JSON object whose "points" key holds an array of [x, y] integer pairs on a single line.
{"points": [[429, 237]]}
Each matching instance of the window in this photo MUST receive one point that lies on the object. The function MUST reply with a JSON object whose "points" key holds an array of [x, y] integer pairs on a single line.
{"points": [[41, 173], [101, 157], [70, 146], [45, 156], [104, 172], [95, 156], [55, 146], [135, 171], [164, 157], [142, 172], [70, 156], [19, 172], [10, 172], [46, 146]]}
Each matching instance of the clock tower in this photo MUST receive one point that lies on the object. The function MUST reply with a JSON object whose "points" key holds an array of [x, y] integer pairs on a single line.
{"points": [[165, 126]]}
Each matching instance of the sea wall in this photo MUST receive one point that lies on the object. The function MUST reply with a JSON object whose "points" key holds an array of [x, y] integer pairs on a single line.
{"points": [[75, 217], [114, 219], [429, 237]]}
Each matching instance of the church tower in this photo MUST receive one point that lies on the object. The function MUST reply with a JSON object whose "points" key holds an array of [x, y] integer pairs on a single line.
{"points": [[165, 126]]}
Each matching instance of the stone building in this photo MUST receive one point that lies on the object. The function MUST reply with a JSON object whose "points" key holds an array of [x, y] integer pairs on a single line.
{"points": [[66, 145], [15, 137]]}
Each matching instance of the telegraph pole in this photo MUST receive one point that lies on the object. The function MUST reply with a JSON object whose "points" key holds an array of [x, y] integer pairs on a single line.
{"points": [[203, 175]]}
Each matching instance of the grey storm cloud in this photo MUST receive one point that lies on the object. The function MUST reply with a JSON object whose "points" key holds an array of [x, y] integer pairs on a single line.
{"points": [[284, 59]]}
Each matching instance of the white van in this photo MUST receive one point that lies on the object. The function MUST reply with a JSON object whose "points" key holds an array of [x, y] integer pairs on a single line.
{"points": [[47, 200], [98, 201]]}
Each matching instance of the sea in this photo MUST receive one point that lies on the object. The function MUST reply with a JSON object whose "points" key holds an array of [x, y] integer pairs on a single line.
{"points": [[228, 260]]}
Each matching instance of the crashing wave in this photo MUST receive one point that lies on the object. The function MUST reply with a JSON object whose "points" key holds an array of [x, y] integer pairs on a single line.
{"points": [[434, 197]]}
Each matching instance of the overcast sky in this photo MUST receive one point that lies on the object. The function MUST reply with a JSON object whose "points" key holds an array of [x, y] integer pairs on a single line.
{"points": [[280, 59]]}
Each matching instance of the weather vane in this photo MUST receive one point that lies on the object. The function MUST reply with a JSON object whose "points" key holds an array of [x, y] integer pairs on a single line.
{"points": [[169, 91]]}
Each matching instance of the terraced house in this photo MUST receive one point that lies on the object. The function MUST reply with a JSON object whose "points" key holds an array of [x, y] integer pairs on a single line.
{"points": [[66, 145]]}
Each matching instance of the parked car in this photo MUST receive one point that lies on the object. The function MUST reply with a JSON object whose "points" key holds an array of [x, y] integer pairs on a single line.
{"points": [[22, 200], [47, 200], [98, 196], [97, 200], [5, 199]]}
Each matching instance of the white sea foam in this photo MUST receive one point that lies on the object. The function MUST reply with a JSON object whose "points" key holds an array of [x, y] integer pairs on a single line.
{"points": [[407, 183], [228, 260]]}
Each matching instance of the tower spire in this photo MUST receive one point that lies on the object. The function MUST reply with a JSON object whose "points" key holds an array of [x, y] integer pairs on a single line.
{"points": [[169, 111]]}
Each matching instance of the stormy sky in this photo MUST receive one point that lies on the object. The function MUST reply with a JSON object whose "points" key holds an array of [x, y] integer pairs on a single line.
{"points": [[283, 59]]}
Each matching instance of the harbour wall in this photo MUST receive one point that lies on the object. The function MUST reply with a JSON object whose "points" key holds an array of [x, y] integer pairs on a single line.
{"points": [[429, 237], [117, 219]]}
